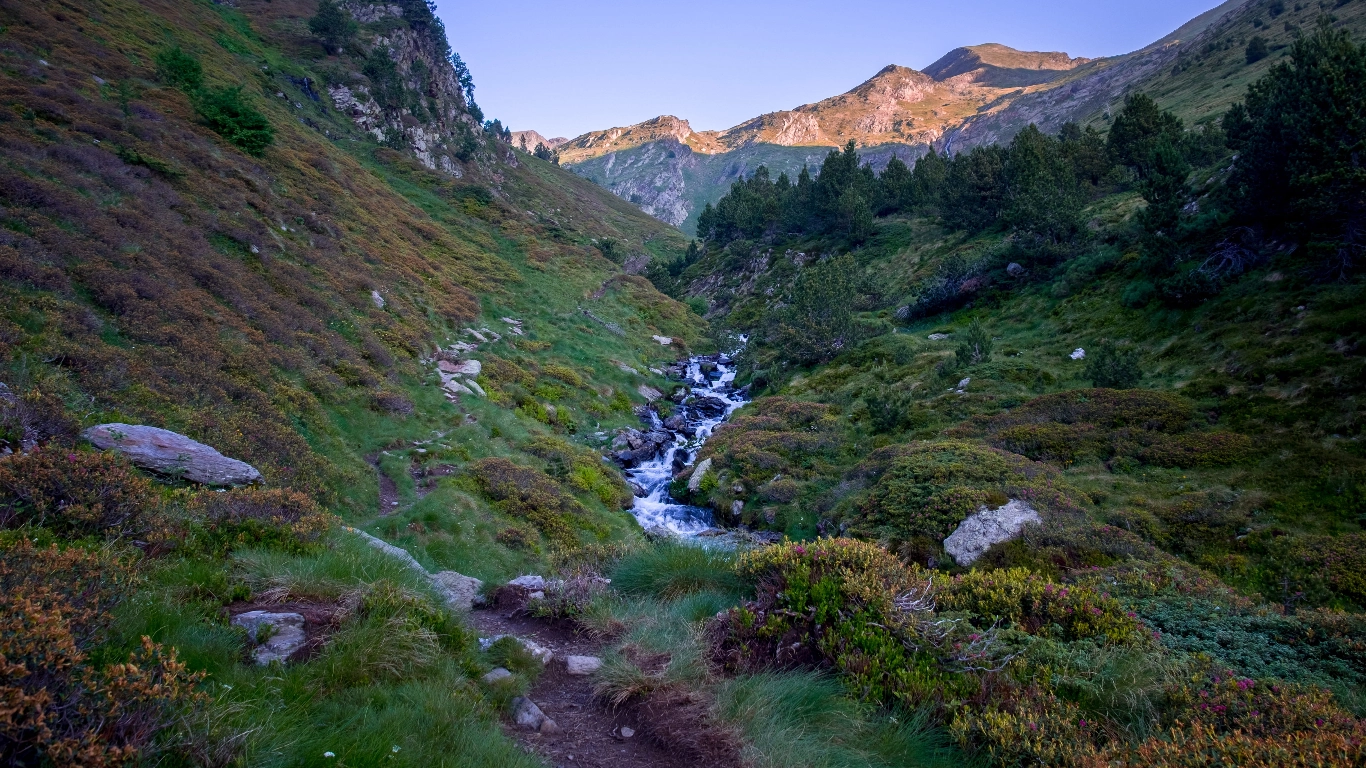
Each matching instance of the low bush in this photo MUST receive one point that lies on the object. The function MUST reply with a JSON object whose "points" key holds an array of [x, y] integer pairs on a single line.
{"points": [[583, 470], [529, 494], [258, 517], [74, 493], [922, 491], [33, 419], [231, 116], [1020, 599], [60, 707]]}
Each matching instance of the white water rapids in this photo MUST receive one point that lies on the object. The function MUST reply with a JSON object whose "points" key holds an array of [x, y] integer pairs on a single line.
{"points": [[654, 475]]}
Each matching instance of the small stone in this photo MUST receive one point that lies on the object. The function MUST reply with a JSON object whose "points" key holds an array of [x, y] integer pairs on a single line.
{"points": [[663, 340], [537, 595], [964, 384], [1078, 354], [530, 581], [695, 481], [284, 634], [497, 674], [938, 336], [736, 507], [459, 591], [627, 731], [526, 714], [582, 665], [377, 299], [649, 393], [549, 726], [1015, 270]]}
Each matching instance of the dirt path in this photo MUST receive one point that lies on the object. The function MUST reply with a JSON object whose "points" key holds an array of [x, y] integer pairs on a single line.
{"points": [[590, 736]]}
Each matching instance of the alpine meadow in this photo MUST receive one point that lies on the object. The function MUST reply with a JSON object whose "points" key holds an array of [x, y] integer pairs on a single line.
{"points": [[1007, 413]]}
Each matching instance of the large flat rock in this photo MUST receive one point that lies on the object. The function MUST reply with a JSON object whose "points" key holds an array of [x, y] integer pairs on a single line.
{"points": [[172, 454], [987, 528]]}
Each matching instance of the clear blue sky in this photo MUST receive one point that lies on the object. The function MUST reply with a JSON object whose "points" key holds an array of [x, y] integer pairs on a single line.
{"points": [[565, 68]]}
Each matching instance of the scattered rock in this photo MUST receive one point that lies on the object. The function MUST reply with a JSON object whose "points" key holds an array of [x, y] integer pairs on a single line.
{"points": [[582, 665], [663, 340], [962, 385], [1078, 354], [649, 393], [387, 548], [497, 674], [549, 726], [1015, 270], [627, 368], [710, 407], [462, 368], [460, 592], [283, 634], [695, 481], [169, 453], [658, 533], [378, 299], [627, 731], [531, 582], [456, 387], [638, 490], [477, 335], [987, 527], [526, 714], [474, 385], [736, 507], [538, 651]]}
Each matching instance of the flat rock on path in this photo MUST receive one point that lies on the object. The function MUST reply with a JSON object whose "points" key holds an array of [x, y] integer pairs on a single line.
{"points": [[583, 728], [170, 453], [283, 634]]}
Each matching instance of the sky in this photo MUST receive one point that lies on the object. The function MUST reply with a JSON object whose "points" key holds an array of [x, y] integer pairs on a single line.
{"points": [[566, 68]]}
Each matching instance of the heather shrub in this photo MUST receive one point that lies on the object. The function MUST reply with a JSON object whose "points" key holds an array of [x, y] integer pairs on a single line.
{"points": [[922, 491], [1020, 599], [1198, 746], [1033, 728], [59, 707], [258, 517], [582, 470], [529, 494], [74, 493], [833, 603], [179, 69], [31, 420], [1113, 367]]}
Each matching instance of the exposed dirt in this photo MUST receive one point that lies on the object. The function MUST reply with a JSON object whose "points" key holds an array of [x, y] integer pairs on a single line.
{"points": [[590, 734], [320, 621], [388, 489], [426, 478]]}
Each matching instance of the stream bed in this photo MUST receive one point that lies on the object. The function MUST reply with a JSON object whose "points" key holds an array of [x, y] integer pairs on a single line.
{"points": [[711, 399]]}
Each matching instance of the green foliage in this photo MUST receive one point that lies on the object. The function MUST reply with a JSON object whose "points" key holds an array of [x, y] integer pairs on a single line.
{"points": [[818, 322], [1110, 366], [333, 26], [922, 491], [529, 494], [976, 345], [257, 517], [1256, 50], [1023, 600], [229, 114], [386, 86], [75, 493], [670, 570], [179, 69], [1301, 134]]}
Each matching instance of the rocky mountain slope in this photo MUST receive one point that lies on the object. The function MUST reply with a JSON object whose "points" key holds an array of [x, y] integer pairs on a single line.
{"points": [[973, 95]]}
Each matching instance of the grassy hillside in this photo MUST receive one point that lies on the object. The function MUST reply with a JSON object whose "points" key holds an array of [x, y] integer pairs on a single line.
{"points": [[286, 308]]}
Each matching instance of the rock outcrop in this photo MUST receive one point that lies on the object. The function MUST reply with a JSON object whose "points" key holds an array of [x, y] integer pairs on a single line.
{"points": [[277, 635], [987, 528], [171, 454]]}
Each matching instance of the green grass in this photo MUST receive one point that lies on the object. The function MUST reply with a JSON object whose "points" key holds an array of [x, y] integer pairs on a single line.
{"points": [[669, 570], [806, 719]]}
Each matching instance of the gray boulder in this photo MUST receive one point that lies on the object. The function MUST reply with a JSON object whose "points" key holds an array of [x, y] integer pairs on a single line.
{"points": [[460, 592], [498, 673], [988, 527], [582, 665], [169, 453], [277, 635]]}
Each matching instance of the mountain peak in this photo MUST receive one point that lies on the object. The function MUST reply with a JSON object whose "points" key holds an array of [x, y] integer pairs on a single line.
{"points": [[1000, 66]]}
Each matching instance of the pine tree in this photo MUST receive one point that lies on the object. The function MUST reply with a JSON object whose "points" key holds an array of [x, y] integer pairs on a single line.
{"points": [[333, 26]]}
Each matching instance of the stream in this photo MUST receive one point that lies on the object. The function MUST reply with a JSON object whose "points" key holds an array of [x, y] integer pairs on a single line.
{"points": [[712, 399]]}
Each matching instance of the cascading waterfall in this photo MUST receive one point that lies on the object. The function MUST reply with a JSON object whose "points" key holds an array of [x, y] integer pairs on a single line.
{"points": [[656, 508]]}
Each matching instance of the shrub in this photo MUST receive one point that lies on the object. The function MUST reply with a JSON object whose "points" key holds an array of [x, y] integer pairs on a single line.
{"points": [[1256, 50], [235, 119], [32, 420], [1197, 449], [832, 603], [332, 25], [1197, 746], [924, 490], [73, 493], [179, 69], [1037, 728], [529, 494], [1111, 366], [1026, 601], [250, 517], [976, 345], [59, 708], [583, 470]]}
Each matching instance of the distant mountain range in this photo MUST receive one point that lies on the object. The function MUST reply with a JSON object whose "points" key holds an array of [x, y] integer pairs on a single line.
{"points": [[973, 95]]}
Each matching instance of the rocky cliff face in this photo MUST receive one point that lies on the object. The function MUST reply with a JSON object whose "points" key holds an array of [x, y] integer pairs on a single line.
{"points": [[417, 104], [528, 140]]}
